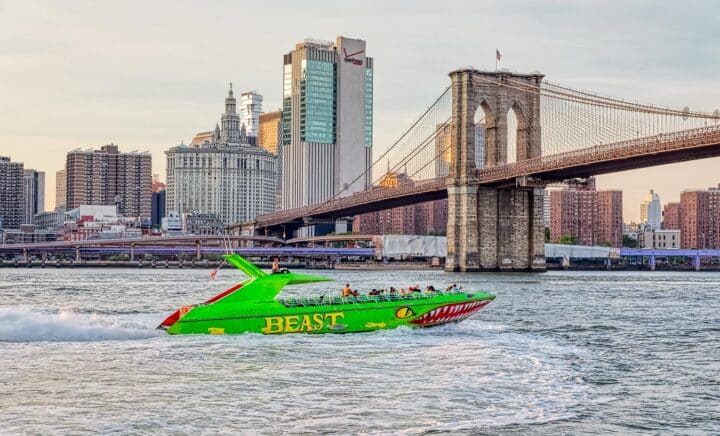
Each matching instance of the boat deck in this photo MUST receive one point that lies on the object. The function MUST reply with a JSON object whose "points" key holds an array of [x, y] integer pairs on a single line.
{"points": [[336, 301]]}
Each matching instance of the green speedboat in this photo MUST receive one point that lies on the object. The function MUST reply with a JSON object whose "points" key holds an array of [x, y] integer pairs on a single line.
{"points": [[253, 306]]}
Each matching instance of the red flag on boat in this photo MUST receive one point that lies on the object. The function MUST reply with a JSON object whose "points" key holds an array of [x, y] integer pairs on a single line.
{"points": [[213, 274]]}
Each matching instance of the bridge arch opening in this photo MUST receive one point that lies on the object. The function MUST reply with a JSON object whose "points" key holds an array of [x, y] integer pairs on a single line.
{"points": [[484, 123], [516, 139]]}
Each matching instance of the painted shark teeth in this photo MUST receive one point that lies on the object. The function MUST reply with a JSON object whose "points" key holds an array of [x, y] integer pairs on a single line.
{"points": [[449, 313]]}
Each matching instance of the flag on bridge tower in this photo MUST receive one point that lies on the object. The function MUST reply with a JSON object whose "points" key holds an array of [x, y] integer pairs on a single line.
{"points": [[498, 56]]}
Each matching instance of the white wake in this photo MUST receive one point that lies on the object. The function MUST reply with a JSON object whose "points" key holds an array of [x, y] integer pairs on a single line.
{"points": [[18, 324]]}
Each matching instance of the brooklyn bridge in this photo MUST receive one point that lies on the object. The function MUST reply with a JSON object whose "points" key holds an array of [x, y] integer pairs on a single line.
{"points": [[491, 142]]}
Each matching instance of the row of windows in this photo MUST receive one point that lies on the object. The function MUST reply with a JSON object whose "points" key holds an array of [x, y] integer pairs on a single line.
{"points": [[317, 116]]}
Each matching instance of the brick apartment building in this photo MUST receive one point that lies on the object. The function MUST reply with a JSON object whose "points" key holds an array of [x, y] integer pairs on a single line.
{"points": [[108, 177], [592, 217], [417, 219], [699, 216], [671, 216]]}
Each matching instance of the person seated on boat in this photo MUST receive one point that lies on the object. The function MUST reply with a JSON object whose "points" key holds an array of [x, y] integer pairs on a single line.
{"points": [[449, 288], [346, 291], [374, 292], [275, 266], [392, 290], [455, 288], [416, 288], [430, 289]]}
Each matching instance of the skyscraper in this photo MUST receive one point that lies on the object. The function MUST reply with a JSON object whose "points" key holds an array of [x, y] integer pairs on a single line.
{"points": [[60, 189], [327, 121], [651, 211], [226, 176], [33, 195], [108, 177], [250, 109], [11, 194], [269, 131]]}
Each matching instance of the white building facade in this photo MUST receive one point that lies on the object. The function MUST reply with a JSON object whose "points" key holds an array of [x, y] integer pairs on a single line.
{"points": [[250, 110], [228, 177], [651, 211], [660, 239]]}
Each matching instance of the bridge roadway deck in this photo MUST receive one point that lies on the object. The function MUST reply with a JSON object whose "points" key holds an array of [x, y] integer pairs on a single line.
{"points": [[609, 158], [620, 156], [165, 240]]}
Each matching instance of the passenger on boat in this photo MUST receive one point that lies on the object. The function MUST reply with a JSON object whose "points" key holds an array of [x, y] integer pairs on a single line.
{"points": [[346, 291], [373, 292], [275, 265], [430, 289], [416, 288], [393, 290]]}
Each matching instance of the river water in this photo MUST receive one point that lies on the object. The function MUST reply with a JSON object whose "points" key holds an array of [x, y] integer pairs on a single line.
{"points": [[560, 352]]}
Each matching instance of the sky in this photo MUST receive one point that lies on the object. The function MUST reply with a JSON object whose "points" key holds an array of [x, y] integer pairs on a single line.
{"points": [[148, 75]]}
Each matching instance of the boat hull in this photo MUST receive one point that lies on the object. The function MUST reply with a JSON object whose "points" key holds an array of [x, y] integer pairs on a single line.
{"points": [[336, 316]]}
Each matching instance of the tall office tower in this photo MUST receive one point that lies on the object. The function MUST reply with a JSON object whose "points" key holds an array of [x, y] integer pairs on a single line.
{"points": [[33, 195], [11, 194], [327, 121], [250, 110], [591, 217], [108, 177], [270, 131], [60, 189], [269, 138], [671, 216], [651, 211]]}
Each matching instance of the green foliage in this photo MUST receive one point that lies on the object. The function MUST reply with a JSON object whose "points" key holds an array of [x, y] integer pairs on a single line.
{"points": [[568, 240], [547, 234], [629, 242], [605, 244], [119, 258]]}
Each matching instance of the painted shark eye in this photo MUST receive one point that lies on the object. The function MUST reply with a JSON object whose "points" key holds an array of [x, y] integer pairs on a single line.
{"points": [[404, 312]]}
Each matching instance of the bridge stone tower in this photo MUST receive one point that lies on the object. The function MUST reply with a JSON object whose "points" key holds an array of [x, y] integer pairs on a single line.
{"points": [[494, 228]]}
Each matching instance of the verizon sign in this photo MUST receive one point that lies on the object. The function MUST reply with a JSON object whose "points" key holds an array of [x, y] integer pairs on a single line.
{"points": [[350, 59]]}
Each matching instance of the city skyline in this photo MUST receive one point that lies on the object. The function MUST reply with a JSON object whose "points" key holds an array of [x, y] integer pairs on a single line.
{"points": [[144, 91]]}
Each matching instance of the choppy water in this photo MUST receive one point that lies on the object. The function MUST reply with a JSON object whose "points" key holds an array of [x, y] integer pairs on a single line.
{"points": [[561, 352]]}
